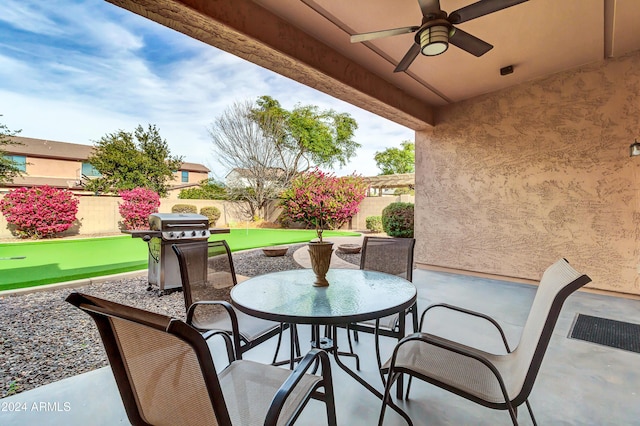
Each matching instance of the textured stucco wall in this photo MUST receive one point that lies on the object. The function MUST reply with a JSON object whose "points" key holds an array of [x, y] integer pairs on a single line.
{"points": [[509, 182]]}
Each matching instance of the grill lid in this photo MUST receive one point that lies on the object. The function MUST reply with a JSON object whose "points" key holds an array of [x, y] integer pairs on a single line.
{"points": [[177, 221], [180, 226]]}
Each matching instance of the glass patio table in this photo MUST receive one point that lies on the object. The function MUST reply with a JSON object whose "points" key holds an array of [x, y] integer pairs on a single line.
{"points": [[353, 295]]}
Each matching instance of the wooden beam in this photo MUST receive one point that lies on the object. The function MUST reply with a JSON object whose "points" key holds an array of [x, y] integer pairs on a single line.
{"points": [[247, 30]]}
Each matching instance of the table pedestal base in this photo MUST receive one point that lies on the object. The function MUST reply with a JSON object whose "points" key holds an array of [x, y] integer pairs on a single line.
{"points": [[328, 344]]}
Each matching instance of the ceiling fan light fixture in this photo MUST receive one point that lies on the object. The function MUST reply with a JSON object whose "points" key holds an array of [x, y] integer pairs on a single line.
{"points": [[434, 40]]}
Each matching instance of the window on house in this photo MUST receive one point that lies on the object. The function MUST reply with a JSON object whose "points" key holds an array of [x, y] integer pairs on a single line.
{"points": [[89, 170], [20, 161], [185, 176]]}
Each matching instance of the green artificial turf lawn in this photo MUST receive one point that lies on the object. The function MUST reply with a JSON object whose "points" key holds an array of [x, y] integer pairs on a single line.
{"points": [[54, 261]]}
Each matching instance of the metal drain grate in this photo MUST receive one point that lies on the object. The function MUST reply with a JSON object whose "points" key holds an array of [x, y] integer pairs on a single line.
{"points": [[608, 332]]}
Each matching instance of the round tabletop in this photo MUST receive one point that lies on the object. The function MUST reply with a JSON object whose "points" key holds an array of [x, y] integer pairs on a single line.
{"points": [[353, 295]]}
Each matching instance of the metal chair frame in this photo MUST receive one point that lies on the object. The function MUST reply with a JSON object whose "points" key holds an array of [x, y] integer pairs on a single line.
{"points": [[398, 331], [105, 313], [511, 402], [241, 343]]}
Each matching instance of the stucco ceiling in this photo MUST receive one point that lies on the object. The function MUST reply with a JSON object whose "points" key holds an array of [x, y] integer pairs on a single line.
{"points": [[309, 41], [538, 37]]}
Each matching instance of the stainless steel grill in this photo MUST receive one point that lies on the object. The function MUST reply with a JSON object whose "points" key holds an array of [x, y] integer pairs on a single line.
{"points": [[166, 229], [180, 226]]}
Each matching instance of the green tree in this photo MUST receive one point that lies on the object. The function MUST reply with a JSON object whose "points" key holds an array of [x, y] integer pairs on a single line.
{"points": [[313, 137], [209, 189], [396, 160], [264, 146], [258, 170], [127, 163], [8, 168]]}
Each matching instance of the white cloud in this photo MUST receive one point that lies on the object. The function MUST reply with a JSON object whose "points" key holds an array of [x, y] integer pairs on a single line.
{"points": [[95, 69], [27, 17]]}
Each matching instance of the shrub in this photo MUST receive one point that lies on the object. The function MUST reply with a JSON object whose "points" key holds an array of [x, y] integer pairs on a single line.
{"points": [[374, 223], [209, 189], [397, 220], [39, 212], [184, 208], [212, 212], [322, 200], [137, 204]]}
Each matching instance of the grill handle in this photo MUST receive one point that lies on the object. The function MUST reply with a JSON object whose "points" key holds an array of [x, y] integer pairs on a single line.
{"points": [[186, 225]]}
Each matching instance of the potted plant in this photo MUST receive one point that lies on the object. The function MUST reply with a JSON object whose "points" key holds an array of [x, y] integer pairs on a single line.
{"points": [[319, 250]]}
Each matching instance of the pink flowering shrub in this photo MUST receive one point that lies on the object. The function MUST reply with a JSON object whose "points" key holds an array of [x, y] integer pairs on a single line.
{"points": [[136, 207], [322, 200], [39, 212]]}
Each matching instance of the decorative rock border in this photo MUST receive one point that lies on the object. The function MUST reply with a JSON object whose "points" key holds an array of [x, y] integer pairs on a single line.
{"points": [[350, 248], [275, 251]]}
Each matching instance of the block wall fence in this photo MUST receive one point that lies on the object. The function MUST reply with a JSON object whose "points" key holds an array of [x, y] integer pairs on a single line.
{"points": [[99, 215]]}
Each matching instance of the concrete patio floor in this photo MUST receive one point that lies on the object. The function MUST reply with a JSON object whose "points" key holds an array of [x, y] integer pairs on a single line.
{"points": [[580, 383]]}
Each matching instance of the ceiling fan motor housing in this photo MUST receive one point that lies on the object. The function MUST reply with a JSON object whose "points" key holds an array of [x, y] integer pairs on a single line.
{"points": [[433, 37]]}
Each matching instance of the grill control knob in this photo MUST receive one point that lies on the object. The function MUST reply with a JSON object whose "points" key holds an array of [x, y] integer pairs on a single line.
{"points": [[204, 233], [193, 233], [182, 234], [171, 234]]}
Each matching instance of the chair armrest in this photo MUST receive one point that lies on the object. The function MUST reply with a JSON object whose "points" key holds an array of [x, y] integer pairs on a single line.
{"points": [[468, 312], [294, 378], [227, 341], [235, 331], [452, 347]]}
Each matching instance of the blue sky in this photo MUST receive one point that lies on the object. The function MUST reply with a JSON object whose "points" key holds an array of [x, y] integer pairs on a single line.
{"points": [[75, 70]]}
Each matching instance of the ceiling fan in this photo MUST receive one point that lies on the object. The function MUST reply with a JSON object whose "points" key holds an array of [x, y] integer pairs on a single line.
{"points": [[437, 30]]}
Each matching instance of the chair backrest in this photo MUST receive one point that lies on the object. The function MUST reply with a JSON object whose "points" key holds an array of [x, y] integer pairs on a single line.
{"points": [[557, 283], [163, 367], [391, 255], [207, 273]]}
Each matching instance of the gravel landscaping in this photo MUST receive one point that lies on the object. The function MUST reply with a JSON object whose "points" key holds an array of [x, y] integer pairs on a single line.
{"points": [[44, 339]]}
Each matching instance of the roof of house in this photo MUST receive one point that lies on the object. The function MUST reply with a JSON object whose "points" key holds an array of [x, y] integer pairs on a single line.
{"points": [[67, 151], [392, 181], [48, 149], [194, 167]]}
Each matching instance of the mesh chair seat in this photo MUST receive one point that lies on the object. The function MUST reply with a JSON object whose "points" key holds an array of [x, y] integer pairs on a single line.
{"points": [[249, 387], [250, 328], [453, 369]]}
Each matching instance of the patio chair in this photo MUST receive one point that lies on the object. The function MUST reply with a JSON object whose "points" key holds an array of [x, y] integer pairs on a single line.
{"points": [[501, 382], [207, 274], [166, 374], [392, 256]]}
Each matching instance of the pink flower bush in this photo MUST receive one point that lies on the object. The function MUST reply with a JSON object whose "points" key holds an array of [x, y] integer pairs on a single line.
{"points": [[136, 207], [322, 200], [39, 212]]}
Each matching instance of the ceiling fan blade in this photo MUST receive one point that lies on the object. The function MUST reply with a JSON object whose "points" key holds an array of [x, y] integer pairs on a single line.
{"points": [[480, 8], [429, 7], [408, 58], [471, 44], [384, 33]]}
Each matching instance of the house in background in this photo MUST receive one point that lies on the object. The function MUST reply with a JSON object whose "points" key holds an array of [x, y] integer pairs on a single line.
{"points": [[65, 165], [246, 177], [388, 184]]}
